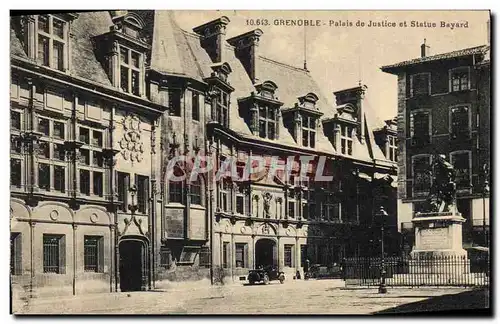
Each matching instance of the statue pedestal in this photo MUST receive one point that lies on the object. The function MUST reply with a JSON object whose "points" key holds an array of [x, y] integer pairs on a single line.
{"points": [[438, 244]]}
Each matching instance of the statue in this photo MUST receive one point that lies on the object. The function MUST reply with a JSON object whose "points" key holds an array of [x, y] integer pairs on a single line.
{"points": [[267, 203], [442, 194]]}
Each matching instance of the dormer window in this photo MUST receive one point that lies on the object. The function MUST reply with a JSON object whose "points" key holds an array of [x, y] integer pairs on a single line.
{"points": [[130, 71], [222, 107], [122, 51], [267, 122], [220, 90], [51, 42], [308, 131], [346, 139]]}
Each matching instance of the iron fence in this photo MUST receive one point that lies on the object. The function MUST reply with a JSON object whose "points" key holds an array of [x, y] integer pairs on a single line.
{"points": [[418, 271]]}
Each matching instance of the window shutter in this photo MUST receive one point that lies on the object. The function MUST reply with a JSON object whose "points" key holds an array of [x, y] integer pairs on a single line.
{"points": [[62, 254]]}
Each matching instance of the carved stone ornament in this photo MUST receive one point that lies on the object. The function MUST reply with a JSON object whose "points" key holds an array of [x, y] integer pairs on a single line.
{"points": [[131, 145]]}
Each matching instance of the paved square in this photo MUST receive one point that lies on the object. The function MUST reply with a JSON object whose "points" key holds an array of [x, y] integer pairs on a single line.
{"points": [[292, 297]]}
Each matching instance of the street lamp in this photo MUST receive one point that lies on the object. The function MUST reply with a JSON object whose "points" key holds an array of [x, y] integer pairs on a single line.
{"points": [[382, 214]]}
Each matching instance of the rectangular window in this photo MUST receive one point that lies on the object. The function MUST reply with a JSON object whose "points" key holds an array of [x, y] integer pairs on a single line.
{"points": [[15, 120], [84, 135], [16, 254], [54, 253], [308, 131], [195, 99], [123, 184], [57, 55], [420, 84], [97, 138], [204, 258], [225, 196], [459, 122], [43, 50], [15, 144], [421, 175], [420, 128], [43, 126], [130, 72], [222, 111], [312, 209], [43, 150], [58, 130], [93, 253], [289, 255], [142, 193], [267, 122], [346, 139], [175, 191], [291, 209], [97, 159], [174, 102], [461, 164], [124, 78], [43, 176], [59, 178], [15, 172], [97, 183], [52, 42], [84, 157], [240, 204], [225, 255], [196, 192], [240, 255], [305, 210], [459, 79], [392, 148], [85, 182], [165, 257]]}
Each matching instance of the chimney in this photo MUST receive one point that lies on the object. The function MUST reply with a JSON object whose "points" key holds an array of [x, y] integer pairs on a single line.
{"points": [[212, 37], [245, 47], [424, 48]]}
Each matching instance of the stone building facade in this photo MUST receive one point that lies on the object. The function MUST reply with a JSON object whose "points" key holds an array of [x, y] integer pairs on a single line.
{"points": [[104, 103], [444, 108]]}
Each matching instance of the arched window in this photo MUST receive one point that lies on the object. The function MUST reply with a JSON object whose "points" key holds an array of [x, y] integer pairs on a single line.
{"points": [[196, 191], [176, 186]]}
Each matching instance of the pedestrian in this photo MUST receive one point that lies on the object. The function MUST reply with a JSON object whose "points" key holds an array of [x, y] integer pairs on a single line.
{"points": [[306, 269]]}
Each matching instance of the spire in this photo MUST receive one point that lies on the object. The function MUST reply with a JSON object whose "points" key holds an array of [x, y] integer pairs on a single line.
{"points": [[305, 49]]}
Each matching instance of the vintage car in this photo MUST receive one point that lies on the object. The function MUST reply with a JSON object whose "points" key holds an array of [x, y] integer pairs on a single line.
{"points": [[264, 275]]}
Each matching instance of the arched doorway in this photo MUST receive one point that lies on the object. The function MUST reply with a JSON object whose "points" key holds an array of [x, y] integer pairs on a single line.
{"points": [[133, 264], [265, 253]]}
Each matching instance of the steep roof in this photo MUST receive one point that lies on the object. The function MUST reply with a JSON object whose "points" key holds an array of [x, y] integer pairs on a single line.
{"points": [[462, 52], [84, 62], [16, 47], [174, 51]]}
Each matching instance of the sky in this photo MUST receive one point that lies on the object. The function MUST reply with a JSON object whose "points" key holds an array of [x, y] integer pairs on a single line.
{"points": [[339, 57]]}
